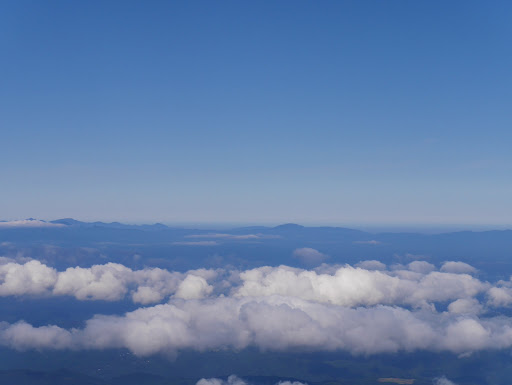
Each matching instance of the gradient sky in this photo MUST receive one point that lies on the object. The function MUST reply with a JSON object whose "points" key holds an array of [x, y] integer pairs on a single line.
{"points": [[257, 111]]}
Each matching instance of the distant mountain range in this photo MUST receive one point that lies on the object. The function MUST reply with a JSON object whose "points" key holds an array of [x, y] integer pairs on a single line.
{"points": [[185, 248]]}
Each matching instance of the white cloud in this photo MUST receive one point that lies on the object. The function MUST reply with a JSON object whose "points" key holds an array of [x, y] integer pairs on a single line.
{"points": [[269, 307], [234, 380], [465, 306], [458, 268], [196, 243], [355, 309], [31, 278], [349, 286], [442, 381], [309, 256], [193, 287], [371, 265], [291, 383], [22, 336], [271, 323], [415, 285], [106, 282], [233, 236], [499, 296], [28, 223], [370, 242], [109, 282], [421, 267]]}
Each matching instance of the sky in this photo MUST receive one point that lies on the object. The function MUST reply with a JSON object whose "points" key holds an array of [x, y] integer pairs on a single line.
{"points": [[332, 112]]}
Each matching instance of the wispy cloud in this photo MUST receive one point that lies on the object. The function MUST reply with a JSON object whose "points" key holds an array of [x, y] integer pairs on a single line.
{"points": [[28, 223], [310, 256], [196, 243], [233, 236], [370, 242]]}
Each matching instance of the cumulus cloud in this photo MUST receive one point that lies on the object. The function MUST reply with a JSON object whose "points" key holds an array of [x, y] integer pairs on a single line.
{"points": [[193, 287], [466, 306], [269, 323], [349, 286], [367, 309], [458, 268], [30, 278], [371, 265], [109, 282], [28, 223], [367, 284], [362, 309], [421, 267], [499, 296], [309, 256], [22, 336]]}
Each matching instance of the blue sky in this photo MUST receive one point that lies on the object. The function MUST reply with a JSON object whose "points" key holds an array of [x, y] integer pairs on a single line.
{"points": [[333, 112]]}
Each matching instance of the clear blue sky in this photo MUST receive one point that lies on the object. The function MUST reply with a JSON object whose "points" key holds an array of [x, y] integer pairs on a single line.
{"points": [[257, 111]]}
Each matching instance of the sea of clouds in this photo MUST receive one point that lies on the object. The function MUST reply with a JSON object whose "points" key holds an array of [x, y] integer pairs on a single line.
{"points": [[366, 309]]}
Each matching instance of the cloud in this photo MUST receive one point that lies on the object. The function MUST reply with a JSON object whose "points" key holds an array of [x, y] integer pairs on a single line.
{"points": [[291, 383], [371, 265], [458, 268], [363, 309], [499, 296], [309, 256], [368, 284], [466, 306], [233, 236], [354, 309], [349, 286], [421, 267], [193, 287], [196, 243], [28, 223], [370, 242], [22, 336], [109, 282], [442, 381], [269, 323], [30, 278], [106, 282], [234, 380]]}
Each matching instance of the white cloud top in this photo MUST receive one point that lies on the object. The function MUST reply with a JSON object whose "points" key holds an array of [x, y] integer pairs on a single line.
{"points": [[309, 256], [28, 223], [363, 311]]}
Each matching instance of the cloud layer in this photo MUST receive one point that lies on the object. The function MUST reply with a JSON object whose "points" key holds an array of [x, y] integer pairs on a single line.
{"points": [[269, 323], [109, 282], [367, 309]]}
